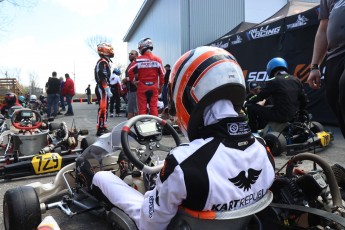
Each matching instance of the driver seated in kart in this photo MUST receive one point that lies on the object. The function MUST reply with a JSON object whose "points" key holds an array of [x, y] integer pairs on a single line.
{"points": [[286, 93], [11, 100], [216, 170]]}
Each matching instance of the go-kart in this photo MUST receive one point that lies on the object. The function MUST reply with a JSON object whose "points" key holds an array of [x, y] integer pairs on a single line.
{"points": [[301, 200], [35, 146], [298, 135]]}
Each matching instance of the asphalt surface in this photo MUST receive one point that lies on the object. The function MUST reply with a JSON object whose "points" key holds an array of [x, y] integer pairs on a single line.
{"points": [[85, 118]]}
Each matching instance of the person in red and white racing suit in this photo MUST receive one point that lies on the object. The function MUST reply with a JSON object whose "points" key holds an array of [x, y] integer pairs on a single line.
{"points": [[149, 74], [102, 75], [216, 170]]}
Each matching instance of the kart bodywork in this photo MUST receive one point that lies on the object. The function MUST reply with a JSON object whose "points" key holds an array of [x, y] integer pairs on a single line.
{"points": [[297, 200]]}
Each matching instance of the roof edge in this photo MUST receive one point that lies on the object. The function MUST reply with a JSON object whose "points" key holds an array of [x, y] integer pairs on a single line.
{"points": [[136, 22]]}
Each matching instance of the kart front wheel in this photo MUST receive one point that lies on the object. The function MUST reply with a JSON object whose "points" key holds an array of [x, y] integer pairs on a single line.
{"points": [[316, 127], [21, 209], [276, 142]]}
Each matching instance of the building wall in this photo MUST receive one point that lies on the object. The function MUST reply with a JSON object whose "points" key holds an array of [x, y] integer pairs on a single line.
{"points": [[208, 20], [176, 26], [162, 25]]}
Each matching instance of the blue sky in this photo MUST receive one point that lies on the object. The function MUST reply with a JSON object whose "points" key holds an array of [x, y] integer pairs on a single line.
{"points": [[50, 36]]}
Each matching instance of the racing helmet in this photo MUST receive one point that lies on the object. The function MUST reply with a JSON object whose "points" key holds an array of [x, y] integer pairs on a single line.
{"points": [[276, 64], [21, 99], [145, 44], [105, 49], [10, 98], [199, 78], [33, 97], [117, 71]]}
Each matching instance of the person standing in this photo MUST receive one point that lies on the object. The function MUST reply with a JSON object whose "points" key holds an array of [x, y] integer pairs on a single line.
{"points": [[115, 88], [88, 94], [149, 75], [165, 86], [330, 43], [102, 75], [53, 95], [132, 105], [62, 98], [68, 92]]}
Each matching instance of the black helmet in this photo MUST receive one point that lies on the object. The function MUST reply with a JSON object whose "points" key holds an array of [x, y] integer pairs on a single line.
{"points": [[10, 98]]}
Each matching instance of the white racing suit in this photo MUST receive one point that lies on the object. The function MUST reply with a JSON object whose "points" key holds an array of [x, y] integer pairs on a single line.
{"points": [[221, 173]]}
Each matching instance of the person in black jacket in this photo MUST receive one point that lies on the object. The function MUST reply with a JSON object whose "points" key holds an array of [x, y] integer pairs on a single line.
{"points": [[286, 92], [53, 95]]}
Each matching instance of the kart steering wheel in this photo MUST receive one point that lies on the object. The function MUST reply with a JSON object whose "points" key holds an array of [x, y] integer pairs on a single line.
{"points": [[152, 144], [331, 180], [26, 122]]}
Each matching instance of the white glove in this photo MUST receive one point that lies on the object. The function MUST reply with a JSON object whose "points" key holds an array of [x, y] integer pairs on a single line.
{"points": [[107, 91]]}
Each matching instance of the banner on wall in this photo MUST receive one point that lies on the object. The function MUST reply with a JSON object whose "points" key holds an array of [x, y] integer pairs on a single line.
{"points": [[285, 34]]}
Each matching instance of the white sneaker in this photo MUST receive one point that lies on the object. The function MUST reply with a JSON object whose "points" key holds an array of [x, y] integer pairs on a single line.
{"points": [[111, 115]]}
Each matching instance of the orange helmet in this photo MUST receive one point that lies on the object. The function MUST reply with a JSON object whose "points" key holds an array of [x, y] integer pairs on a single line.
{"points": [[199, 78], [105, 49]]}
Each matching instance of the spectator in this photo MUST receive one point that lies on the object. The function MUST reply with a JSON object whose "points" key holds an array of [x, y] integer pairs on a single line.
{"points": [[88, 94], [330, 42], [53, 95], [286, 92], [132, 106], [62, 98], [115, 88], [103, 93], [165, 86], [149, 74], [68, 92], [203, 175]]}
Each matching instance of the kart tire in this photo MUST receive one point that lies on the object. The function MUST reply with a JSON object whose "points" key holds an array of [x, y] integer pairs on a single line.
{"points": [[316, 127], [84, 144], [165, 130], [276, 142], [21, 209]]}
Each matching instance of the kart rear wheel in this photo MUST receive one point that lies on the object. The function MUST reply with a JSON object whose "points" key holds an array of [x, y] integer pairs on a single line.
{"points": [[276, 142], [316, 127], [21, 209]]}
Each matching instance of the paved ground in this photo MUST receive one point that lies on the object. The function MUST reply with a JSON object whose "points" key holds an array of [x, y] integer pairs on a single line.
{"points": [[85, 118]]}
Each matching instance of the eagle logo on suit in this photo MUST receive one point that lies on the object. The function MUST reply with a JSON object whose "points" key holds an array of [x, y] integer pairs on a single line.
{"points": [[244, 182]]}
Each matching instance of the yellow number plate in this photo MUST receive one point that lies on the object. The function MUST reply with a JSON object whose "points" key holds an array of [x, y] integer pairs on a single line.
{"points": [[325, 138], [45, 163]]}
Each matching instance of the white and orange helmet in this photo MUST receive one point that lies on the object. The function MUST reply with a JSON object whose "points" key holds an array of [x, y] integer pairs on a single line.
{"points": [[199, 78], [105, 49]]}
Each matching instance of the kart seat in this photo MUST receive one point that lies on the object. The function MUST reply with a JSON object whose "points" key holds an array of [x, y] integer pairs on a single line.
{"points": [[29, 144], [189, 219], [236, 219]]}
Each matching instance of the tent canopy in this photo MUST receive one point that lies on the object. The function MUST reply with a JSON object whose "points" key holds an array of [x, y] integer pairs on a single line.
{"points": [[290, 34]]}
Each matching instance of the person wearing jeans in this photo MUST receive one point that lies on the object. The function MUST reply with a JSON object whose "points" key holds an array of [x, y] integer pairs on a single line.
{"points": [[68, 92], [53, 95]]}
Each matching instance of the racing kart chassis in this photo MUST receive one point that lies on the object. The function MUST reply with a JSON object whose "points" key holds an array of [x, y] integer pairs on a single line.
{"points": [[32, 151], [296, 196]]}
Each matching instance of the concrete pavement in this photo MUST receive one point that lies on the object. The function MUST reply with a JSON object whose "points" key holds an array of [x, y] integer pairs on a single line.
{"points": [[85, 118]]}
